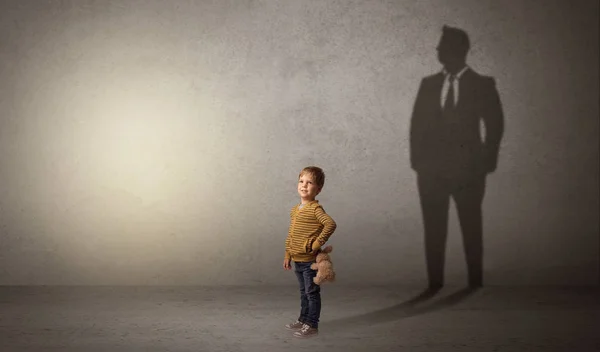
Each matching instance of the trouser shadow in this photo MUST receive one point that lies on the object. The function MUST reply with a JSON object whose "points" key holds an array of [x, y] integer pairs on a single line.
{"points": [[435, 192], [402, 310]]}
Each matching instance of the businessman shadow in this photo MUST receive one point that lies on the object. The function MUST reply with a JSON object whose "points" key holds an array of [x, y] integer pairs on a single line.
{"points": [[406, 309], [456, 127]]}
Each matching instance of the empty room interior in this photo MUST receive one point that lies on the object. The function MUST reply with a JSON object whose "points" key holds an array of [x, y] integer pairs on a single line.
{"points": [[155, 194]]}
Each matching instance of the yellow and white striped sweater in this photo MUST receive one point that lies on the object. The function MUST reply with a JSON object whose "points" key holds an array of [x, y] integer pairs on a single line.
{"points": [[307, 225]]}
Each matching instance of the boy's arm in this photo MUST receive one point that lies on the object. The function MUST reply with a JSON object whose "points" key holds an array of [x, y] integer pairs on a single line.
{"points": [[287, 246], [329, 227], [287, 254]]}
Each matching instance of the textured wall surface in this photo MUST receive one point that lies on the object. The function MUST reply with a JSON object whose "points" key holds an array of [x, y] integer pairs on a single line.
{"points": [[159, 142]]}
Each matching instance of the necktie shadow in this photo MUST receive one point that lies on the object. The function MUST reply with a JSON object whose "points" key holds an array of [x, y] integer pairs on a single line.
{"points": [[402, 310]]}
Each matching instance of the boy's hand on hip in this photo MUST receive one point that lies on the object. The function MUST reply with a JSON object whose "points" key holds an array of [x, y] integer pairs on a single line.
{"points": [[316, 246], [287, 265]]}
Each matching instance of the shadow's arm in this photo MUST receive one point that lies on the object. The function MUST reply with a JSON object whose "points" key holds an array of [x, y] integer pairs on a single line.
{"points": [[418, 129], [493, 119]]}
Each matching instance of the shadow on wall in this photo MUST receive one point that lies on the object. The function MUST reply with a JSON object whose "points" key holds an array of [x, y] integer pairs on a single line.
{"points": [[450, 156]]}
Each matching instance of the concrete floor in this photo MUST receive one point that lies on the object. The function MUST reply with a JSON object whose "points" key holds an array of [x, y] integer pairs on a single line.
{"points": [[251, 319]]}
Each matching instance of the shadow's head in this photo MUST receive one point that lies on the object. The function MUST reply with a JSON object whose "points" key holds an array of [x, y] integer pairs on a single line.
{"points": [[453, 47]]}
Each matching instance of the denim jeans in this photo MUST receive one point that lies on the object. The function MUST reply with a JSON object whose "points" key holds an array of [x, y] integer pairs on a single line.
{"points": [[310, 294]]}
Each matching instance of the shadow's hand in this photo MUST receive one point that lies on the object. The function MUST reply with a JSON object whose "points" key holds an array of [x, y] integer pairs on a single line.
{"points": [[489, 161]]}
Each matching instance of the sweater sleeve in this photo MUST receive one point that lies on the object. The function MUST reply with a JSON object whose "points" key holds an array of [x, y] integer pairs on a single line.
{"points": [[329, 226], [287, 254]]}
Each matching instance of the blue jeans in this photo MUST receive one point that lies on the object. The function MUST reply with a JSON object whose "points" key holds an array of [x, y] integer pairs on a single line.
{"points": [[310, 294]]}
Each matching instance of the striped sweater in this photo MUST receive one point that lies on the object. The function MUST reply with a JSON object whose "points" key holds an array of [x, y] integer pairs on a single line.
{"points": [[307, 225]]}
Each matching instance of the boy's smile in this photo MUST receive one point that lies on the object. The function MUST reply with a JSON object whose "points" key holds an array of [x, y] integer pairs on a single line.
{"points": [[307, 189]]}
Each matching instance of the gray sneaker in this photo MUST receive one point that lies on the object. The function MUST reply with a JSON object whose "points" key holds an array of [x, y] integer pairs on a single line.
{"points": [[306, 331], [297, 325]]}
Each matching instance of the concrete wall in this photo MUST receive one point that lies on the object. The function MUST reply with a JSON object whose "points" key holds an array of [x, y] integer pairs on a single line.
{"points": [[159, 142]]}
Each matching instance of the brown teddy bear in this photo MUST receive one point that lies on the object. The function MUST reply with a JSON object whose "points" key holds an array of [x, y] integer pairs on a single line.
{"points": [[323, 266]]}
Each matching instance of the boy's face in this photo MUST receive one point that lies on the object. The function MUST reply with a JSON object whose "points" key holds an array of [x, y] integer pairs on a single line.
{"points": [[307, 188]]}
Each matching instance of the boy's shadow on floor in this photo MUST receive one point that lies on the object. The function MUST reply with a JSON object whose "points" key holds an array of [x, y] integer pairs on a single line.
{"points": [[403, 310]]}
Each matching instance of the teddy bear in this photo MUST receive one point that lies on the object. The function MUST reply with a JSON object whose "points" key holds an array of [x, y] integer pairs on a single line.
{"points": [[323, 266]]}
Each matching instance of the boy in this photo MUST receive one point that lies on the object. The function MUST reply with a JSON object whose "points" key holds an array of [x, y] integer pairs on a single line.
{"points": [[310, 227]]}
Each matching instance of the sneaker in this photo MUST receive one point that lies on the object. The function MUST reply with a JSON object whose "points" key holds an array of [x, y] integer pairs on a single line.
{"points": [[297, 325], [306, 331]]}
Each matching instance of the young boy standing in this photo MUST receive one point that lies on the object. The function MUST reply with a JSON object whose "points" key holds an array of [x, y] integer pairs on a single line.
{"points": [[310, 227]]}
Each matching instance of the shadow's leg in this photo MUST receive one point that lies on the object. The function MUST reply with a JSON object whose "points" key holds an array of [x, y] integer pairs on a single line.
{"points": [[468, 200], [435, 201]]}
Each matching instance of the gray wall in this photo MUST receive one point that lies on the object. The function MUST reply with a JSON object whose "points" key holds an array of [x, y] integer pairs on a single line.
{"points": [[159, 142]]}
